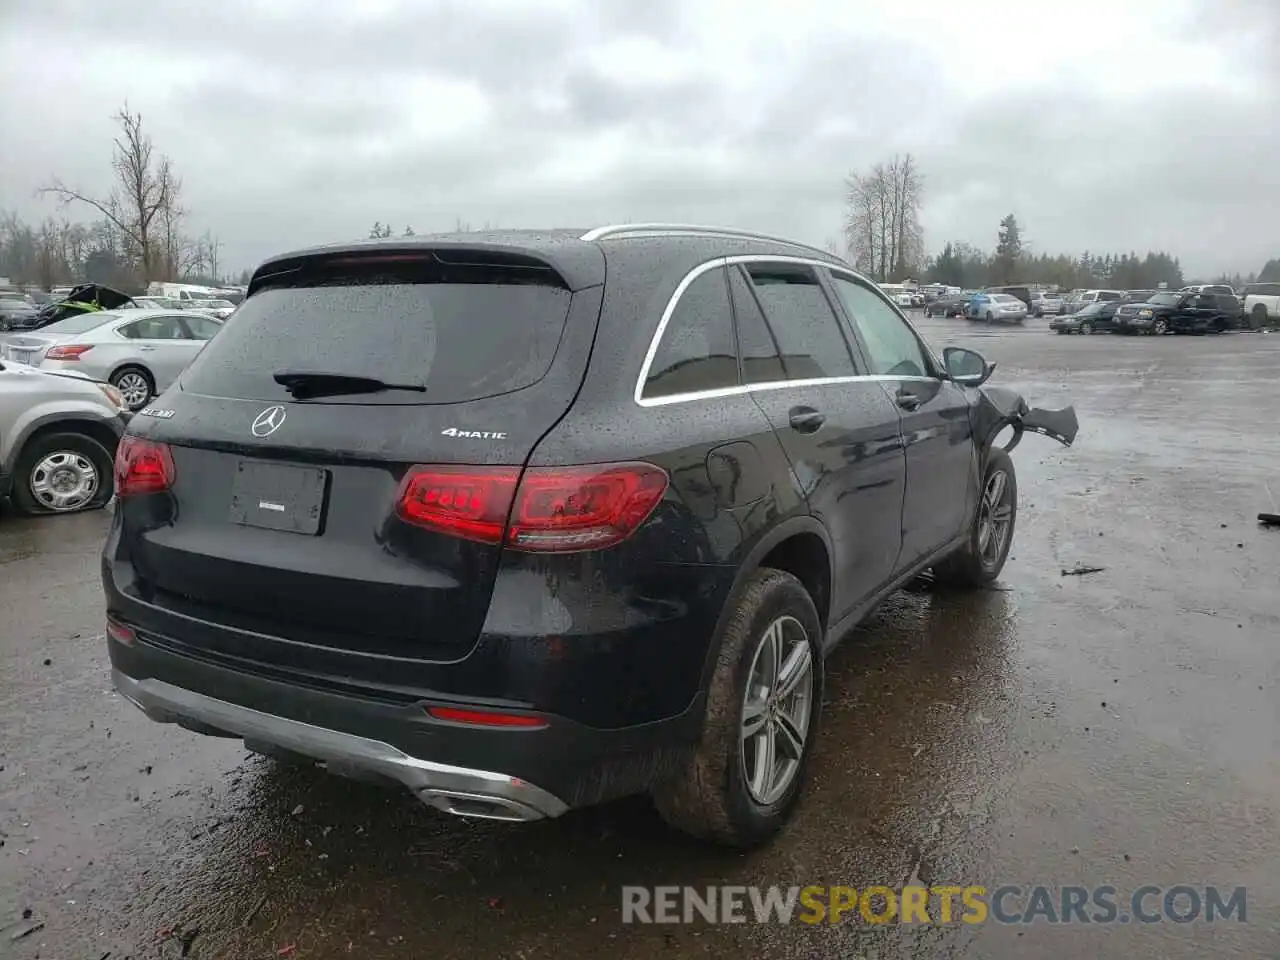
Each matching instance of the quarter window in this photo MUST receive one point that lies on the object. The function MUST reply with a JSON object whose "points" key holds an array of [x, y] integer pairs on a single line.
{"points": [[696, 351], [892, 347], [808, 333]]}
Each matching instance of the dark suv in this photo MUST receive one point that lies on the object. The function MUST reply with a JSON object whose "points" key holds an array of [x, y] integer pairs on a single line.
{"points": [[527, 521], [1181, 313]]}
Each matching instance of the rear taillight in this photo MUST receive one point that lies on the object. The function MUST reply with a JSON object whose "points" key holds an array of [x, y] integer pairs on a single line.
{"points": [[142, 467], [545, 510], [72, 351], [467, 502], [582, 508]]}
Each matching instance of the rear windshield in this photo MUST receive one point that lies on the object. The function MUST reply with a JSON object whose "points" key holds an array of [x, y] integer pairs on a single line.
{"points": [[80, 323], [463, 332], [1165, 299]]}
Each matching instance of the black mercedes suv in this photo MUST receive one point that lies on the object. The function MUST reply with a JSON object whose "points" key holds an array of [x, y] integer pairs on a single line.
{"points": [[527, 521]]}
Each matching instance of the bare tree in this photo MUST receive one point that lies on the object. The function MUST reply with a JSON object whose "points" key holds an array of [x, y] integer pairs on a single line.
{"points": [[882, 218], [145, 188]]}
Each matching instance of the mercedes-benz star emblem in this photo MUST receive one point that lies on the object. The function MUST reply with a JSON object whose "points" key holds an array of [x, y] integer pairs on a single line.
{"points": [[268, 421]]}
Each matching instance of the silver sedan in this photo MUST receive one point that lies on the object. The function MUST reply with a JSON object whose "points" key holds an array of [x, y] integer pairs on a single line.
{"points": [[139, 352]]}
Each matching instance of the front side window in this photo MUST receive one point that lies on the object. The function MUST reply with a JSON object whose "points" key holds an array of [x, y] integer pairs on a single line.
{"points": [[892, 347], [800, 316], [696, 351]]}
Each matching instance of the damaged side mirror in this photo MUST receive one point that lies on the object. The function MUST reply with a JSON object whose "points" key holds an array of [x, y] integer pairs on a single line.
{"points": [[967, 367]]}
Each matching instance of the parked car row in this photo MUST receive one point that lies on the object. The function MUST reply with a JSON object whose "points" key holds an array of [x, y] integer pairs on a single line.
{"points": [[18, 313], [1158, 313]]}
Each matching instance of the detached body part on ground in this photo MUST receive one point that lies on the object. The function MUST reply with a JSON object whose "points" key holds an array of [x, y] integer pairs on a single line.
{"points": [[573, 517]]}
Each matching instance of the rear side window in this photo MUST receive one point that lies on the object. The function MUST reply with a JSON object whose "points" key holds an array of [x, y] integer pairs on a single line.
{"points": [[756, 345], [1108, 295], [798, 312], [463, 331], [696, 351], [1262, 290]]}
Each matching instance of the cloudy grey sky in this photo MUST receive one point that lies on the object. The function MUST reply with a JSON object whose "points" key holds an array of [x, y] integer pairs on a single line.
{"points": [[1105, 125]]}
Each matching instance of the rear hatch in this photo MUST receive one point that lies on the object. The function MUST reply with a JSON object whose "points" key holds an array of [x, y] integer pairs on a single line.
{"points": [[287, 516]]}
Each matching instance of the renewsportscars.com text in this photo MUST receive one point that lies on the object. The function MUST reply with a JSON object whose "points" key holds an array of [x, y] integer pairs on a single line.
{"points": [[972, 904]]}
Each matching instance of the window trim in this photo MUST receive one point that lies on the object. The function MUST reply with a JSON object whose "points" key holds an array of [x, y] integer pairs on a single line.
{"points": [[743, 389]]}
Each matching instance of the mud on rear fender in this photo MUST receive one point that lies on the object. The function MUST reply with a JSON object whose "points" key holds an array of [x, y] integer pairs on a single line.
{"points": [[1000, 407]]}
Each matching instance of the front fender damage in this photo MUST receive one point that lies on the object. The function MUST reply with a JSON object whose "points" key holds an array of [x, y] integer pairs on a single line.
{"points": [[1000, 407]]}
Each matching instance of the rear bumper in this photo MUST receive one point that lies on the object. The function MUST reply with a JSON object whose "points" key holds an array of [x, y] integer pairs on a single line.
{"points": [[509, 773], [453, 789]]}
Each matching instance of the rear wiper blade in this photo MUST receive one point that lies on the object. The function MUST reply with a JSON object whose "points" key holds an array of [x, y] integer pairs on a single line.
{"points": [[316, 383]]}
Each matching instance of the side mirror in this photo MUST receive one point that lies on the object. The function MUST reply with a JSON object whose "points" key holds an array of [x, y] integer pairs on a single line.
{"points": [[967, 367]]}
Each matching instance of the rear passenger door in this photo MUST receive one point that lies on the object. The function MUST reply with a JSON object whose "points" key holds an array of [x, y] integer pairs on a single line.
{"points": [[839, 429], [936, 427]]}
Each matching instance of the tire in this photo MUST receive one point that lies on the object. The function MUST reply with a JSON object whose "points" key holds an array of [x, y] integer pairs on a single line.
{"points": [[71, 464], [1160, 327], [137, 380], [1086, 328], [710, 796], [989, 316], [975, 564], [928, 312], [1060, 331], [1258, 317]]}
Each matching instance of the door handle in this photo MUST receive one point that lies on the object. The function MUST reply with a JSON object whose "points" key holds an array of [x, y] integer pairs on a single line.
{"points": [[145, 347], [906, 399], [805, 419]]}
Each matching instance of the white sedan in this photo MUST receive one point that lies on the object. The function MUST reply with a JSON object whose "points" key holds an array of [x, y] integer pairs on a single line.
{"points": [[139, 352]]}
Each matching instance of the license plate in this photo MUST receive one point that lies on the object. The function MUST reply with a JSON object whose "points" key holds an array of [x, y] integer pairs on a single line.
{"points": [[277, 496]]}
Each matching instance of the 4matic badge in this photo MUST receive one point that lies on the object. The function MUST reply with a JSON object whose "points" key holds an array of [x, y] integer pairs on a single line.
{"points": [[473, 434]]}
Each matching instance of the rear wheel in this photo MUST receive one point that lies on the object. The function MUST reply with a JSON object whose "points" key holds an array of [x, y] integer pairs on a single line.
{"points": [[983, 555], [1258, 317], [1086, 328], [745, 775], [136, 386], [62, 473], [989, 316]]}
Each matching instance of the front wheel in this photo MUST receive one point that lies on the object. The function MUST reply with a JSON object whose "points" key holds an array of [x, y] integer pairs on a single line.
{"points": [[743, 779], [979, 561], [1086, 328], [62, 473], [989, 316], [1160, 327], [135, 384], [1258, 317]]}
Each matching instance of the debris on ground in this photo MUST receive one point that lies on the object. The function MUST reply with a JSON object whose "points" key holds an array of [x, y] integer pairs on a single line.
{"points": [[298, 810], [26, 931], [257, 908], [1080, 570]]}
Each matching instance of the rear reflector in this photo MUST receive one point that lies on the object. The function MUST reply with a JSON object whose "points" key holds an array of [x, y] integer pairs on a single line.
{"points": [[545, 510], [68, 351], [485, 718], [142, 467], [120, 633]]}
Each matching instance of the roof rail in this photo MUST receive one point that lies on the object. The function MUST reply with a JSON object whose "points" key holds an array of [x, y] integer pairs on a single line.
{"points": [[673, 229]]}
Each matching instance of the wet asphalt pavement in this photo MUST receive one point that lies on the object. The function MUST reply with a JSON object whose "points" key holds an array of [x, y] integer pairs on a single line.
{"points": [[1115, 728]]}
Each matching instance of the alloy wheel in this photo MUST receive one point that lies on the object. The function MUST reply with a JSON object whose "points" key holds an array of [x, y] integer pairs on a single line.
{"points": [[995, 517], [776, 710]]}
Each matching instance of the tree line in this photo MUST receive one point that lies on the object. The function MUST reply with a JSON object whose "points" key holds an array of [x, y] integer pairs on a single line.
{"points": [[884, 240], [136, 233]]}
